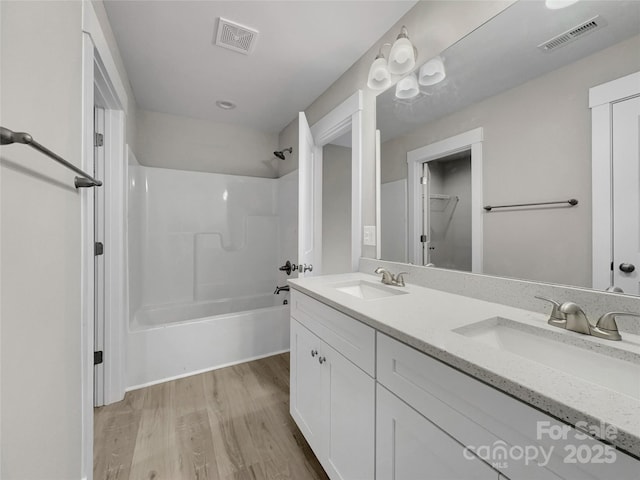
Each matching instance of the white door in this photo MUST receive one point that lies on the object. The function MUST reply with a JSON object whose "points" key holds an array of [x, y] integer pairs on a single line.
{"points": [[99, 234], [309, 202], [410, 447], [349, 395], [306, 405], [626, 195]]}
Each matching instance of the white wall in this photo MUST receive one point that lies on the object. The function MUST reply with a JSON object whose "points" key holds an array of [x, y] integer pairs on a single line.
{"points": [[40, 92], [537, 147], [393, 220], [336, 209], [204, 146], [287, 187]]}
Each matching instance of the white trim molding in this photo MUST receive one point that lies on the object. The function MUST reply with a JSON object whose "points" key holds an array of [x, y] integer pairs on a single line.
{"points": [[346, 116], [87, 271], [615, 90], [91, 26], [601, 100], [471, 140], [100, 76]]}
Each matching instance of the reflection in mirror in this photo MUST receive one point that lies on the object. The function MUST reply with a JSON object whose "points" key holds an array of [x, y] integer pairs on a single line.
{"points": [[446, 221], [336, 205], [523, 78]]}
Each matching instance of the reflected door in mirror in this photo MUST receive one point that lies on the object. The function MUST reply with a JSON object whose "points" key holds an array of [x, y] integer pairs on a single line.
{"points": [[446, 207], [626, 195]]}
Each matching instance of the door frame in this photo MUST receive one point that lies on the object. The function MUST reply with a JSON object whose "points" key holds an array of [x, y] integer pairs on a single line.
{"points": [[100, 74], [346, 116], [470, 140], [601, 100]]}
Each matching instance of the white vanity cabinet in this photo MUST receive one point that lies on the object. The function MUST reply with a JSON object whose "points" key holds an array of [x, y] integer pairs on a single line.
{"points": [[332, 398], [373, 408]]}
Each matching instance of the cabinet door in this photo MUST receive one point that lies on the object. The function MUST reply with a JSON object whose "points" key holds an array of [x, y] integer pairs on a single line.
{"points": [[306, 402], [350, 409], [410, 447]]}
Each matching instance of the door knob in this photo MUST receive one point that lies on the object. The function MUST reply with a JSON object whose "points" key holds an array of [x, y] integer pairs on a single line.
{"points": [[627, 267], [305, 268]]}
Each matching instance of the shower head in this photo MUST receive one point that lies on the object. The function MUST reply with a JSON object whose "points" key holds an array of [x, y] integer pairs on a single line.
{"points": [[280, 153]]}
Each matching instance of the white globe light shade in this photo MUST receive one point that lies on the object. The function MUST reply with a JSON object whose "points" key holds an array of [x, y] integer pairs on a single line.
{"points": [[407, 87], [379, 76], [402, 58], [432, 72]]}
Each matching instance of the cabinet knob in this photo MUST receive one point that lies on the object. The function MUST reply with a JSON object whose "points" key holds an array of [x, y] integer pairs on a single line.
{"points": [[322, 360], [314, 353], [627, 267]]}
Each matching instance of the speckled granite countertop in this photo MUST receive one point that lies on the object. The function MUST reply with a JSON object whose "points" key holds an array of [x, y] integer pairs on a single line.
{"points": [[425, 319]]}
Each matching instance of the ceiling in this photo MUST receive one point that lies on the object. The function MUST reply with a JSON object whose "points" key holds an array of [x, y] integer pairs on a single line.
{"points": [[302, 48], [503, 54]]}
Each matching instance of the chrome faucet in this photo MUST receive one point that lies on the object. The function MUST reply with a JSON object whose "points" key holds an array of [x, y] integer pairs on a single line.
{"points": [[556, 318], [570, 316], [606, 327], [281, 289], [576, 318], [389, 278]]}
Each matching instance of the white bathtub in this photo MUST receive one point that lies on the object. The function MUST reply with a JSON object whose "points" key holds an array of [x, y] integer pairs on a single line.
{"points": [[178, 340]]}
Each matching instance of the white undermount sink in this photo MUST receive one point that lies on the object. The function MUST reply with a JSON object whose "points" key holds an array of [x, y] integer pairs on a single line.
{"points": [[367, 290], [604, 365]]}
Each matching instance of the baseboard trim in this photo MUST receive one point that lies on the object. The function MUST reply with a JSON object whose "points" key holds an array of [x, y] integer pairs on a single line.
{"points": [[203, 370]]}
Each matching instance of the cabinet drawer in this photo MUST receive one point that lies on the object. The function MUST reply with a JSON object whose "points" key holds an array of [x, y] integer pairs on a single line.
{"points": [[353, 339], [478, 415]]}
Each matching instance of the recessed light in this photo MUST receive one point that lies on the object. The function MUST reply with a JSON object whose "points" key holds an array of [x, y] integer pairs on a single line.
{"points": [[225, 104], [558, 4]]}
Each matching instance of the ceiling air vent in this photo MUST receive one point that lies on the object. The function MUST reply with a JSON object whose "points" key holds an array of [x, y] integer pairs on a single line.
{"points": [[235, 37], [573, 34]]}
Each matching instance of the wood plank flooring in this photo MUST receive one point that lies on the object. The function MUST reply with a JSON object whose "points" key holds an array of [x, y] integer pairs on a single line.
{"points": [[231, 423]]}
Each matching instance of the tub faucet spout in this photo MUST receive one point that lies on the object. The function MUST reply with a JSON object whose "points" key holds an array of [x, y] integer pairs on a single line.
{"points": [[281, 289]]}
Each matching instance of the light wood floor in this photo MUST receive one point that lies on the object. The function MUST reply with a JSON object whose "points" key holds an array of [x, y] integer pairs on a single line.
{"points": [[231, 423]]}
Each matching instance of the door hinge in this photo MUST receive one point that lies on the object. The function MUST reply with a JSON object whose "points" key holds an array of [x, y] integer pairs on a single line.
{"points": [[97, 357], [612, 266], [423, 238], [424, 180], [98, 140], [99, 248]]}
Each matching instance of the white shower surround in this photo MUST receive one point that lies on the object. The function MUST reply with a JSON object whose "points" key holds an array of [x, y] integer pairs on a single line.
{"points": [[203, 252]]}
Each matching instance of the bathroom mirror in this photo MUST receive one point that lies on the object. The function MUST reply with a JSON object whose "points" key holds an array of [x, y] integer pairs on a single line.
{"points": [[519, 83]]}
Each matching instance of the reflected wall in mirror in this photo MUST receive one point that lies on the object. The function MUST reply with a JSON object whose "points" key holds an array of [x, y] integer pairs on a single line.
{"points": [[532, 106], [336, 205]]}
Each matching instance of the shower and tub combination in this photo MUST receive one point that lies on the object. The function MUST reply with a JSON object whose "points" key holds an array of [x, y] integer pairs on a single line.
{"points": [[204, 253]]}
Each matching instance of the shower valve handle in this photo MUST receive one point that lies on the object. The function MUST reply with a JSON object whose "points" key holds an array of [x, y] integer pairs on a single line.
{"points": [[288, 267]]}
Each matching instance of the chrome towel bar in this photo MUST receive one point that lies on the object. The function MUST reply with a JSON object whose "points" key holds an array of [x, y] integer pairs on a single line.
{"points": [[8, 137], [572, 202]]}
